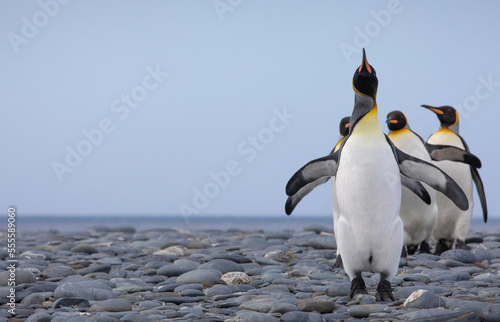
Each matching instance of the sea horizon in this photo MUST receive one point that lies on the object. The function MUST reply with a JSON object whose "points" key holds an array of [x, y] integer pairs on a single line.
{"points": [[192, 222]]}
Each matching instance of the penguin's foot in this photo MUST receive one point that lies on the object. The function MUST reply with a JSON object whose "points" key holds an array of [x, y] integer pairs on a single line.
{"points": [[441, 247], [403, 252], [384, 291], [357, 287], [338, 262], [412, 249], [425, 248], [461, 245]]}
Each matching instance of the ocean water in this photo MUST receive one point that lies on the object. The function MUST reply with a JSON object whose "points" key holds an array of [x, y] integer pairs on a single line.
{"points": [[145, 222]]}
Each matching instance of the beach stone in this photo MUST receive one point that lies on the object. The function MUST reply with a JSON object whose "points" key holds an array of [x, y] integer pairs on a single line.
{"points": [[234, 258], [84, 248], [35, 298], [222, 265], [427, 263], [236, 278], [70, 301], [199, 276], [112, 305], [95, 268], [321, 242], [486, 311], [183, 287], [438, 315], [191, 293], [22, 276], [364, 310], [179, 251], [39, 317], [281, 255], [192, 265], [257, 304], [461, 255], [147, 305], [439, 276], [256, 317], [338, 289], [84, 288], [282, 308], [311, 305], [423, 299], [172, 270], [318, 229], [58, 271], [295, 316]]}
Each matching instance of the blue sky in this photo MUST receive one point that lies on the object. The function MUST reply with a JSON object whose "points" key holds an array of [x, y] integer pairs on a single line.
{"points": [[208, 107]]}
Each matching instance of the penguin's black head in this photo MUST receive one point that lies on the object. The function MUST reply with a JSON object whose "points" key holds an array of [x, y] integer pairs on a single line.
{"points": [[447, 115], [344, 126], [396, 120], [365, 79]]}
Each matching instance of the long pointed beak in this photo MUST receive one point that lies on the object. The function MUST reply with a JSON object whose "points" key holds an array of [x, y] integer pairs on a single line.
{"points": [[434, 109], [364, 63]]}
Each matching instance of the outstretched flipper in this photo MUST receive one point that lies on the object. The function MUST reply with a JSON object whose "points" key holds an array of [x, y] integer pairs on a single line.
{"points": [[440, 152], [417, 188], [428, 173], [292, 201], [480, 191], [312, 171]]}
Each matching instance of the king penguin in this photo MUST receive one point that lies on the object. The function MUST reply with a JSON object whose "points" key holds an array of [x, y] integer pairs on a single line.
{"points": [[368, 172], [453, 223], [419, 218]]}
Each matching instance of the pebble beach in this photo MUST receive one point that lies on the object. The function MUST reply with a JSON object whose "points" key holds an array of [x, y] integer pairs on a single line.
{"points": [[105, 273]]}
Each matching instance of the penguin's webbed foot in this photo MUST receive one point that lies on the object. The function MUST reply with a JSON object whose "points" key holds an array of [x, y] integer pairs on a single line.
{"points": [[441, 247], [412, 249], [338, 262], [357, 287], [384, 291], [461, 245], [425, 248]]}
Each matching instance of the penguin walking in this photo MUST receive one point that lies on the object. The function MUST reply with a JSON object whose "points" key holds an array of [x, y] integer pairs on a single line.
{"points": [[420, 218], [453, 223], [367, 168]]}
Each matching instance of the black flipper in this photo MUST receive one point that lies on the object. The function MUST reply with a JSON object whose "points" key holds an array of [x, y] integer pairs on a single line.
{"points": [[440, 152], [312, 171], [480, 191], [417, 188], [426, 172], [292, 201]]}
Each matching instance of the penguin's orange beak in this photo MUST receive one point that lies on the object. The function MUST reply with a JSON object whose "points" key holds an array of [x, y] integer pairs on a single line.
{"points": [[347, 125], [365, 64], [434, 109], [392, 121]]}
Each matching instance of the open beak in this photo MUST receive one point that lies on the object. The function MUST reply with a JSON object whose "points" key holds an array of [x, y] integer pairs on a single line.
{"points": [[364, 64]]}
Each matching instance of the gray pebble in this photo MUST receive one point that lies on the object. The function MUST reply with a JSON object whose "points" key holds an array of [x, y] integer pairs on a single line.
{"points": [[295, 316], [22, 276], [172, 270], [461, 255], [338, 289], [423, 299], [58, 271], [70, 301], [222, 265], [84, 248], [315, 305], [200, 276], [112, 305]]}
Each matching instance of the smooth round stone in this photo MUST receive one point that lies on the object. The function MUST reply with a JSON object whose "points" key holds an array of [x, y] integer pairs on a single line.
{"points": [[39, 317], [238, 278], [222, 265], [95, 268], [482, 254], [262, 305], [452, 263], [315, 305], [192, 265], [437, 315], [112, 305], [183, 287], [84, 248], [338, 289], [359, 311], [110, 261], [423, 299], [295, 316], [282, 308], [234, 258], [172, 270], [88, 289], [321, 242], [70, 302], [22, 276], [439, 276], [257, 317], [179, 251], [318, 229], [58, 271], [460, 255], [156, 264], [200, 276], [191, 292], [147, 305], [35, 298]]}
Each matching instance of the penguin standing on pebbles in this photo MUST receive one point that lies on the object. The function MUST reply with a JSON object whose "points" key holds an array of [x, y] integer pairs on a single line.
{"points": [[453, 223], [420, 218], [368, 171]]}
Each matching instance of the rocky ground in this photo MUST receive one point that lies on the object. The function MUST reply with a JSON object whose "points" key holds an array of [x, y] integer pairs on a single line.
{"points": [[118, 274]]}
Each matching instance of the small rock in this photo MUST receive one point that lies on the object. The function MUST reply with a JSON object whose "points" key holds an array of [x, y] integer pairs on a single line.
{"points": [[200, 276], [295, 316], [311, 305], [461, 255], [172, 270], [22, 276], [179, 251], [84, 248], [257, 304], [58, 271], [112, 305], [236, 278], [338, 289], [70, 301], [282, 308], [223, 266], [423, 299]]}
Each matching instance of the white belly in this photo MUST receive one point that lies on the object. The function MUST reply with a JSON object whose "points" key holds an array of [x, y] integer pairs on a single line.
{"points": [[452, 222], [368, 188], [419, 218]]}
